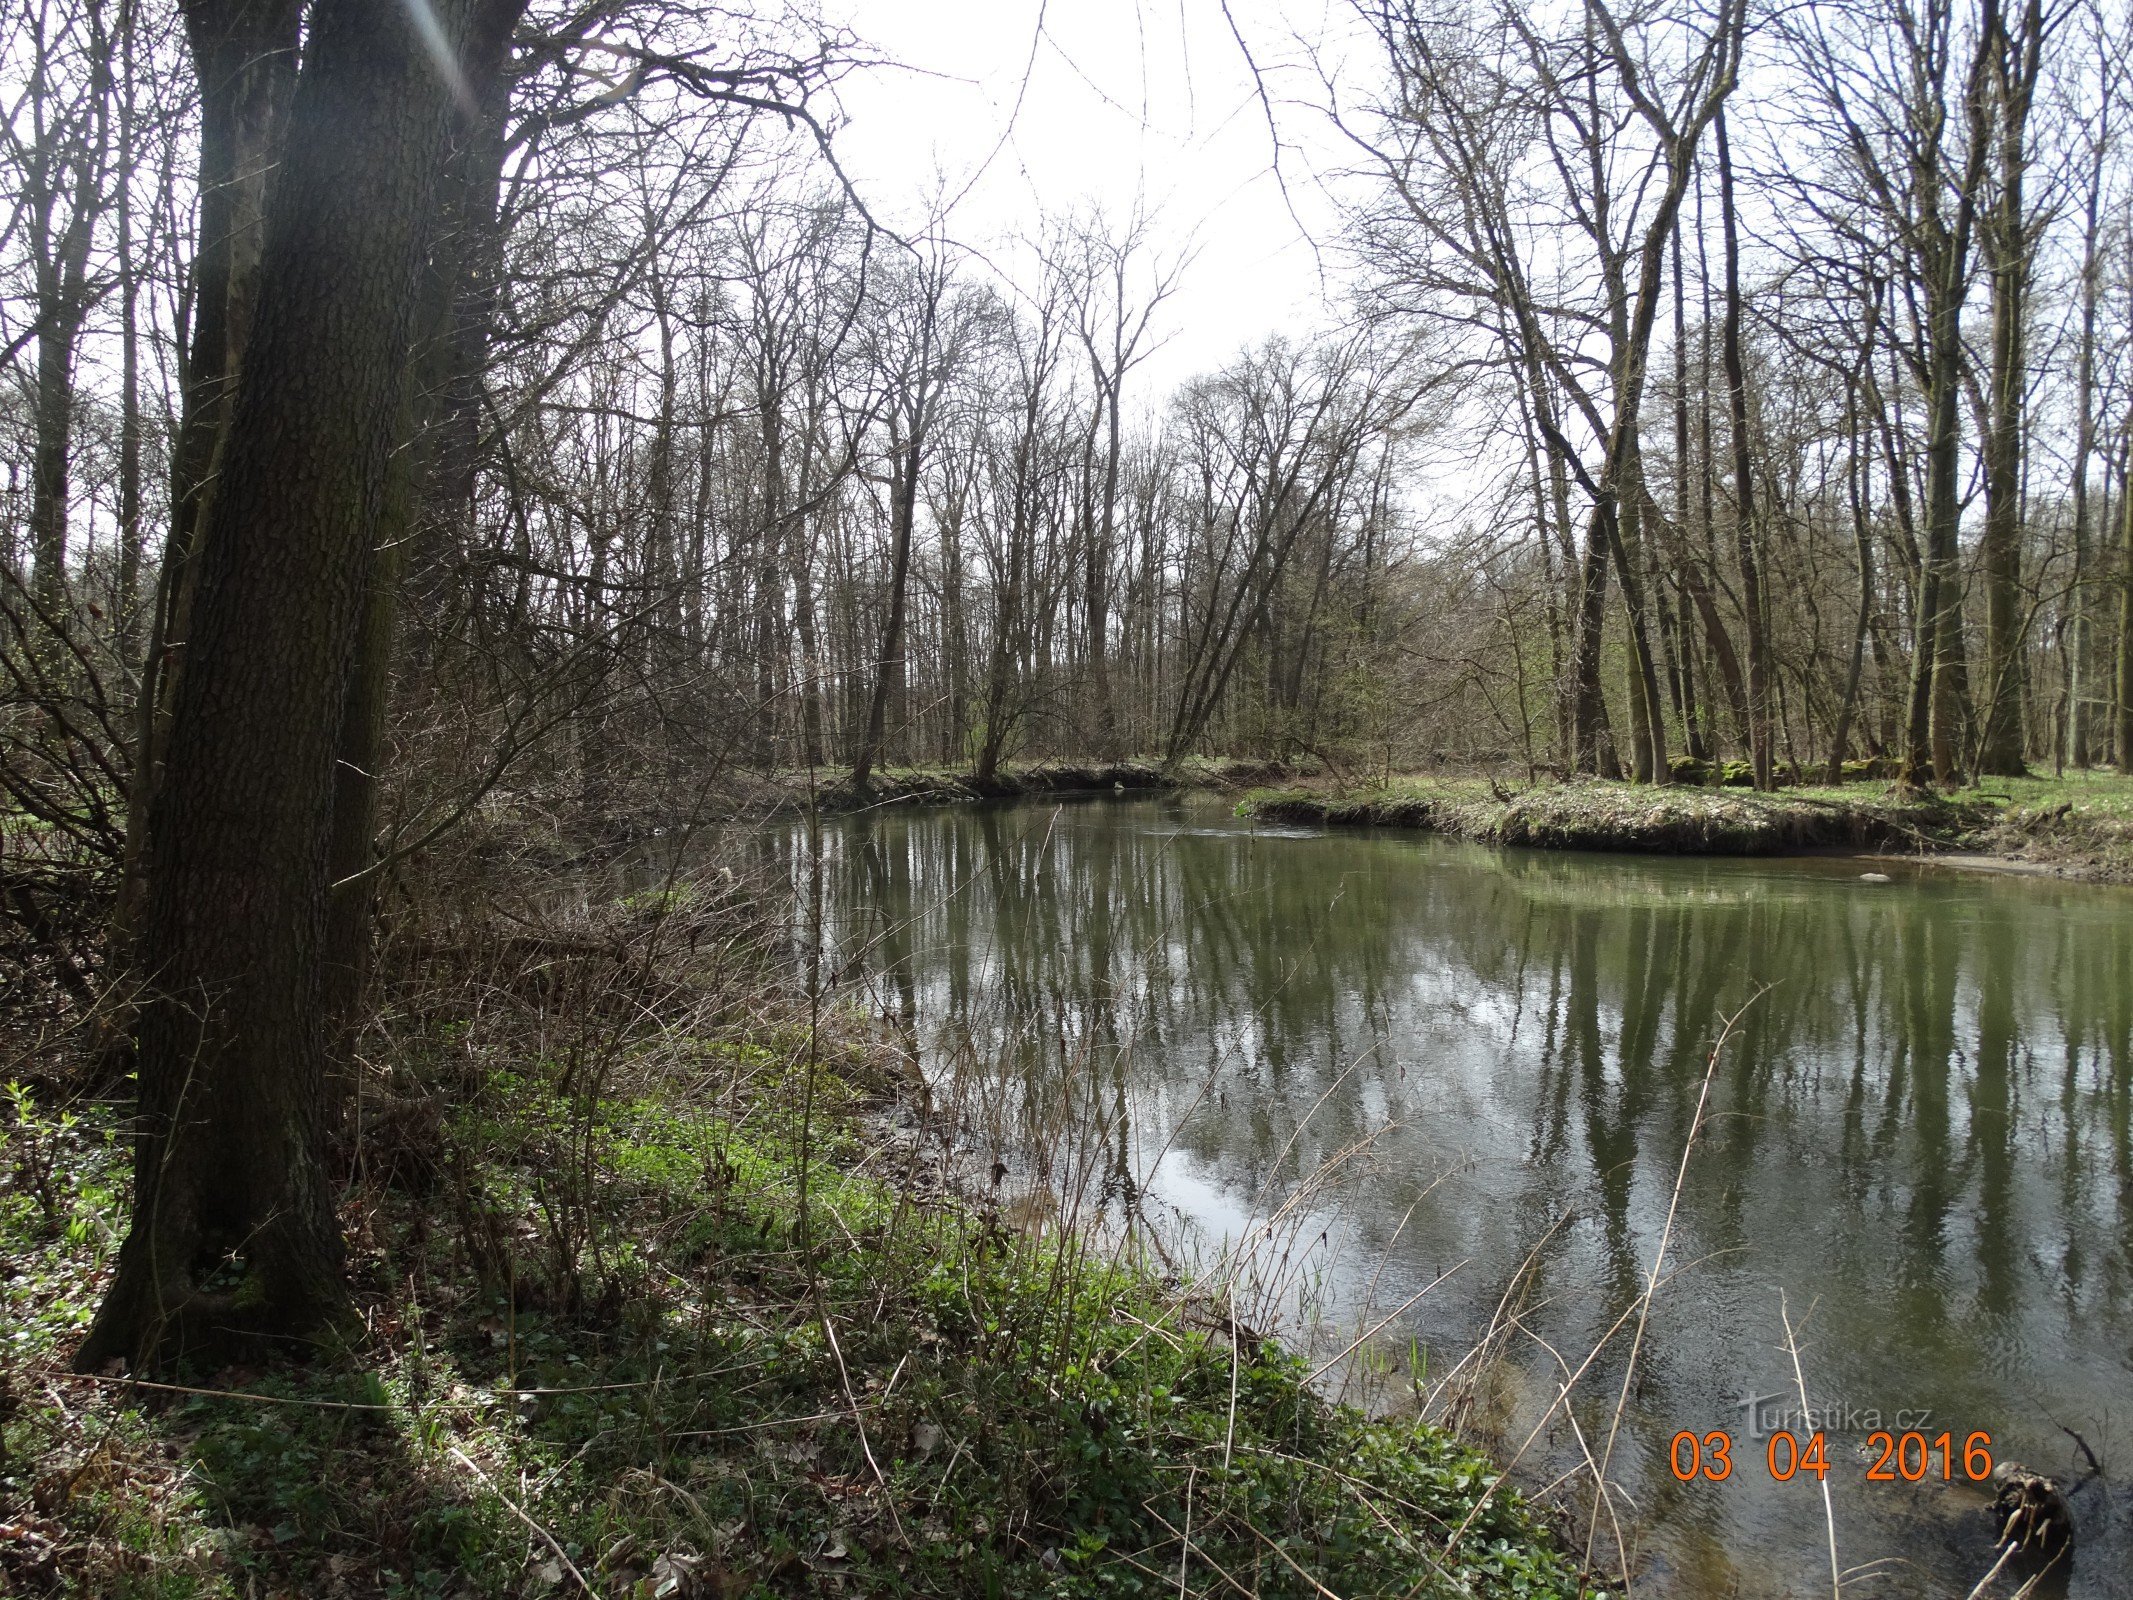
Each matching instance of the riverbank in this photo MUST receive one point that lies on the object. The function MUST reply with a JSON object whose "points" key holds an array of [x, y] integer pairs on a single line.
{"points": [[2074, 827], [666, 1291], [832, 790]]}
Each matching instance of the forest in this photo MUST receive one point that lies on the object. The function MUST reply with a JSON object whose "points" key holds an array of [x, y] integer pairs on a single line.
{"points": [[447, 441], [1788, 427]]}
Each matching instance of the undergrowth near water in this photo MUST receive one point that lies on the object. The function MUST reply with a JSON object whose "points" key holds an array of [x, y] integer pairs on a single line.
{"points": [[667, 1299]]}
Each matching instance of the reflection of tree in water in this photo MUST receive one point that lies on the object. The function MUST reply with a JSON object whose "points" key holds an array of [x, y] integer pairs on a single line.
{"points": [[1924, 1125], [1551, 1014]]}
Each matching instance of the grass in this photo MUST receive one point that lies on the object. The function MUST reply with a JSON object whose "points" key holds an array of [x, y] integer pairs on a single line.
{"points": [[706, 1322], [2081, 824]]}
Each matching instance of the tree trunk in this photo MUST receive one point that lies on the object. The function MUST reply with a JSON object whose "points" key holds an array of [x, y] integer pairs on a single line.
{"points": [[2079, 692], [889, 669], [62, 278], [1863, 540], [244, 57], [1593, 749], [1743, 475], [229, 1155], [438, 345], [2125, 618], [2010, 250], [125, 612], [1647, 709], [1096, 595]]}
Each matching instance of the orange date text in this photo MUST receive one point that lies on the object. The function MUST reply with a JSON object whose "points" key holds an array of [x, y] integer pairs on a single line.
{"points": [[1910, 1457]]}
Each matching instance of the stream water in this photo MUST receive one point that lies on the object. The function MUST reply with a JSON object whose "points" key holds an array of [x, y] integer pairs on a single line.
{"points": [[1479, 1069]]}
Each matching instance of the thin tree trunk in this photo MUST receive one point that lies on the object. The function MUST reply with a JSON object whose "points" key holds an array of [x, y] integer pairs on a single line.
{"points": [[1743, 476], [2125, 615], [889, 668], [2078, 690], [125, 602], [1863, 541], [62, 279]]}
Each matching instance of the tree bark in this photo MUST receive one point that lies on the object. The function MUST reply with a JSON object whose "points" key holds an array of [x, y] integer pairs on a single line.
{"points": [[416, 496], [2078, 689], [244, 58], [1751, 582], [70, 167], [125, 614], [2009, 252], [233, 1235], [2125, 617], [889, 669]]}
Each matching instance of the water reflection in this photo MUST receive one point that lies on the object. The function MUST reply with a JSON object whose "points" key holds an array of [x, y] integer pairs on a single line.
{"points": [[1921, 1130]]}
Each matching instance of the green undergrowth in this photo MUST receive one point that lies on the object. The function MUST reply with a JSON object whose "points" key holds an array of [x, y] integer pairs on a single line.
{"points": [[672, 1341]]}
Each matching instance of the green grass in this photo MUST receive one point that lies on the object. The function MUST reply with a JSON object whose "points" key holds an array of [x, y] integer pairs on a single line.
{"points": [[613, 1319], [2081, 823]]}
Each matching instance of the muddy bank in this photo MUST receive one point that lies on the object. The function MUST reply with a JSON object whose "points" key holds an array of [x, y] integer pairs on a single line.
{"points": [[1631, 818], [1032, 780]]}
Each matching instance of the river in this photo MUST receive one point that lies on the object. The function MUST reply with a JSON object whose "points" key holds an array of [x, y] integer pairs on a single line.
{"points": [[1429, 1063]]}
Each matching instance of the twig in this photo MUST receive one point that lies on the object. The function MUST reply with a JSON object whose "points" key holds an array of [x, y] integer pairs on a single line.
{"points": [[1984, 1583], [223, 1394], [1398, 1310], [1193, 1549], [519, 1512], [2095, 1466], [1185, 1539], [1829, 1510], [1666, 1239], [1293, 1567], [859, 1422]]}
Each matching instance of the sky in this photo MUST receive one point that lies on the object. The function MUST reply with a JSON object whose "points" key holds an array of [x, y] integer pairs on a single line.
{"points": [[1020, 108]]}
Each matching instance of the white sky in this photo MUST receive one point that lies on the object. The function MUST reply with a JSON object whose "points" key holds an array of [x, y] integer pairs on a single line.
{"points": [[1048, 106]]}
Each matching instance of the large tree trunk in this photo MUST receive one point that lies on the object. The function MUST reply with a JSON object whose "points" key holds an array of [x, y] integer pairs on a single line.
{"points": [[51, 454], [1648, 711], [1863, 541], [2000, 749], [1685, 693], [2010, 251], [1942, 655], [229, 1170], [244, 57], [418, 497]]}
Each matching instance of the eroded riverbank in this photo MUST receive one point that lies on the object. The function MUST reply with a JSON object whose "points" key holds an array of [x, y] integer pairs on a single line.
{"points": [[2077, 828]]}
